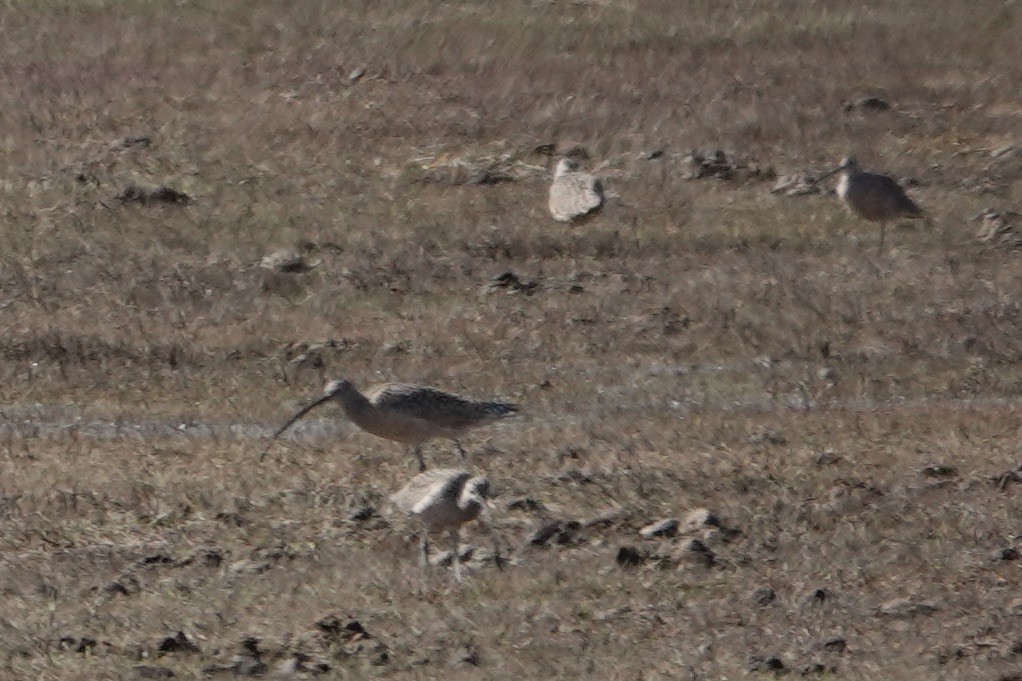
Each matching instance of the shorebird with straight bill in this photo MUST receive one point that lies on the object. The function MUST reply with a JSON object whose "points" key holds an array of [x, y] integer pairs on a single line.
{"points": [[442, 500]]}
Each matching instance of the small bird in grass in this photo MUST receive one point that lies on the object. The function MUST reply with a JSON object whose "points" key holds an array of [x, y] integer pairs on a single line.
{"points": [[872, 196], [408, 413], [441, 500], [574, 195]]}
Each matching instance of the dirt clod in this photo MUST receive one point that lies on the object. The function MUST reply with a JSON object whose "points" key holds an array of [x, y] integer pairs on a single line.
{"points": [[872, 104], [629, 556], [178, 643], [511, 283], [763, 596], [818, 596], [835, 645], [668, 527], [134, 193], [766, 663], [287, 261], [557, 531], [904, 608], [524, 504]]}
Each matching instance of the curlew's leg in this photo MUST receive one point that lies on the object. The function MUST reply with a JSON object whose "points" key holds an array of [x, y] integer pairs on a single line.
{"points": [[883, 230], [424, 551], [461, 450], [457, 554], [498, 560], [417, 451]]}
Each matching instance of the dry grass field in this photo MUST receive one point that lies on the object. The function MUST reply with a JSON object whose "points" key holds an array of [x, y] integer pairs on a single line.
{"points": [[850, 420]]}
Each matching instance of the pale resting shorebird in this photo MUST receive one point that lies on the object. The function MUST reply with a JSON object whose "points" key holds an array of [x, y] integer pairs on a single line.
{"points": [[872, 196], [445, 499], [574, 195], [408, 413]]}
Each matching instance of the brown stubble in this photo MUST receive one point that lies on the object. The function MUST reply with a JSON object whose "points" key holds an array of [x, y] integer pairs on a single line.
{"points": [[700, 344]]}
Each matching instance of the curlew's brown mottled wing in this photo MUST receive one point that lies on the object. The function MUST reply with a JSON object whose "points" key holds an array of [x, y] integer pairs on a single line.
{"points": [[879, 198], [435, 406], [902, 205]]}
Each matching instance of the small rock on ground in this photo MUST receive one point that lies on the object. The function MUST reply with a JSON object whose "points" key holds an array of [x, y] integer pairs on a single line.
{"points": [[362, 513], [524, 504], [814, 668], [511, 283], [906, 607], [629, 556], [178, 643], [799, 184], [1002, 151], [763, 596], [999, 228], [285, 260], [668, 527], [251, 567], [135, 193], [560, 531], [939, 471], [874, 104], [766, 663], [835, 645], [817, 596]]}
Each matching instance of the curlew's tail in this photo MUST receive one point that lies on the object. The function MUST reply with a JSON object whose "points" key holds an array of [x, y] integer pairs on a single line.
{"points": [[909, 208], [501, 410]]}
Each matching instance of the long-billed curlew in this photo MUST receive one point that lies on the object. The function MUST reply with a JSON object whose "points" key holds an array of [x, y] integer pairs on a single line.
{"points": [[408, 413], [445, 499], [872, 196], [574, 195]]}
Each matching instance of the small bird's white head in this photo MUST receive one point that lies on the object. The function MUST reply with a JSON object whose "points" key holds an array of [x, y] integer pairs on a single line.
{"points": [[565, 166], [477, 486], [473, 496]]}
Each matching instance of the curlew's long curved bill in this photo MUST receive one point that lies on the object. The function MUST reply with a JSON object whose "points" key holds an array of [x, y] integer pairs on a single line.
{"points": [[829, 173], [301, 412]]}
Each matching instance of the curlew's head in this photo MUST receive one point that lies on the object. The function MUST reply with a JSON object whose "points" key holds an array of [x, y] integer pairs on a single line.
{"points": [[565, 166], [848, 164], [337, 387]]}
